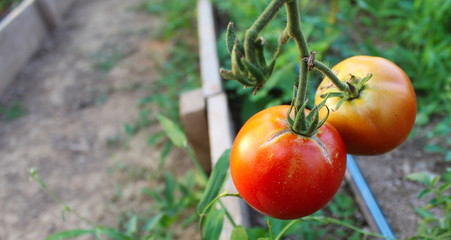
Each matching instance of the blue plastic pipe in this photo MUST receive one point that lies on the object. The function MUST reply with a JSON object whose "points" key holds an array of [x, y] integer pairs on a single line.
{"points": [[369, 199]]}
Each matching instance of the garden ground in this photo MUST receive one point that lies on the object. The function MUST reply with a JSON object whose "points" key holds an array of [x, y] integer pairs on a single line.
{"points": [[76, 94]]}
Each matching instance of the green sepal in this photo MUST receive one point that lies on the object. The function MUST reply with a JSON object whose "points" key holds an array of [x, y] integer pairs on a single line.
{"points": [[289, 119], [343, 100], [321, 123], [300, 125], [230, 37], [268, 70], [365, 79], [312, 124], [332, 94], [237, 65], [226, 74], [353, 90], [255, 72], [259, 50]]}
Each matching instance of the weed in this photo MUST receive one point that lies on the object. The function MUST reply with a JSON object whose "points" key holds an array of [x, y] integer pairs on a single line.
{"points": [[109, 55], [435, 224], [13, 111]]}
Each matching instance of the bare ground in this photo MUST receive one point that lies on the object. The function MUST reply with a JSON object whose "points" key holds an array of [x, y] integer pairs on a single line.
{"points": [[78, 92], [386, 174], [73, 108]]}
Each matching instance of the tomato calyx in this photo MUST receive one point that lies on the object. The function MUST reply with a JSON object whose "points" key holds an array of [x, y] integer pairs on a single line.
{"points": [[306, 124], [355, 88], [249, 65]]}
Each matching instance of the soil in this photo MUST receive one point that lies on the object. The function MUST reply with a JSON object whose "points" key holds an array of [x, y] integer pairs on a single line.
{"points": [[397, 196], [77, 93]]}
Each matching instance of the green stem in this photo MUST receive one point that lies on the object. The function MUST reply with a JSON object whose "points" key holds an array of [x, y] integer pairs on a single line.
{"points": [[294, 31], [227, 213], [252, 33], [331, 75], [196, 163], [294, 27], [326, 220], [34, 175], [204, 212]]}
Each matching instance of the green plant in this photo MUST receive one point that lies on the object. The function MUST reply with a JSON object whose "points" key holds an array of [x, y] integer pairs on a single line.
{"points": [[108, 57], [5, 5], [434, 224], [13, 111], [415, 35], [173, 206], [412, 33], [178, 15]]}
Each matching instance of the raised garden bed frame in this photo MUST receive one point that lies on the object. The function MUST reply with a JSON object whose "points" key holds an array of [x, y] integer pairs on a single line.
{"points": [[22, 31]]}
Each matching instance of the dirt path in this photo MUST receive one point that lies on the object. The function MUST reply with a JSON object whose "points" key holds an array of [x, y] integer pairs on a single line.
{"points": [[78, 92]]}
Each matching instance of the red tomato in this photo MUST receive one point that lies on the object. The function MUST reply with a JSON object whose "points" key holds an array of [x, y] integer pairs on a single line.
{"points": [[282, 174], [382, 116]]}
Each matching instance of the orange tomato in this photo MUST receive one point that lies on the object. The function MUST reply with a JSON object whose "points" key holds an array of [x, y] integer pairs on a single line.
{"points": [[382, 116]]}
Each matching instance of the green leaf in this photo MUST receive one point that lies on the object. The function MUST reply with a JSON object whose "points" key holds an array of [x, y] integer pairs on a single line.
{"points": [[130, 129], [216, 181], [239, 233], [173, 131], [424, 193], [155, 138], [424, 213], [434, 148], [132, 225], [444, 187], [152, 222], [213, 224], [114, 234], [420, 177], [448, 156], [167, 147], [71, 234], [257, 233], [170, 186]]}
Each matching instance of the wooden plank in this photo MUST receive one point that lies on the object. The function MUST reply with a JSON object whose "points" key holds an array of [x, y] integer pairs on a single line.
{"points": [[21, 34], [61, 6], [211, 81], [220, 127], [221, 137], [49, 13], [193, 114]]}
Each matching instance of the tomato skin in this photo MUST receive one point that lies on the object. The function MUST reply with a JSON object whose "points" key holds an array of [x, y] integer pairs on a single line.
{"points": [[282, 174], [383, 115]]}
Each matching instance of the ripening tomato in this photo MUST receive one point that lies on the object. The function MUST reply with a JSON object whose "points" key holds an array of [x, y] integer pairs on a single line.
{"points": [[283, 174], [381, 117]]}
